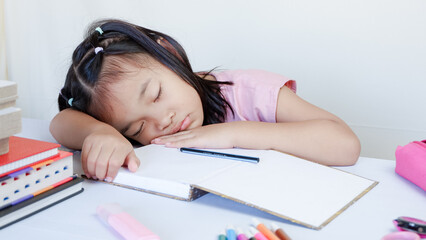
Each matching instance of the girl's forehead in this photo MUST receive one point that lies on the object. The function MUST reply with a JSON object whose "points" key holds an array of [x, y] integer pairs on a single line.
{"points": [[125, 87], [120, 65]]}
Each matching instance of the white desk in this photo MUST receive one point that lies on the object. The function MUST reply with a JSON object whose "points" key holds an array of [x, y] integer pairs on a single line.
{"points": [[369, 218]]}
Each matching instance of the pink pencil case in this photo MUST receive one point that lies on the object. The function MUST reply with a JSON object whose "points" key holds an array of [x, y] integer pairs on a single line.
{"points": [[411, 162]]}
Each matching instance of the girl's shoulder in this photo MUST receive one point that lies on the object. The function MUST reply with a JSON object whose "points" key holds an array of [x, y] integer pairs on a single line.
{"points": [[253, 77], [253, 94], [247, 75]]}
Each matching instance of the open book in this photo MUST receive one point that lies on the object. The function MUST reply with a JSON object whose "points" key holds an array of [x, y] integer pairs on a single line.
{"points": [[283, 185]]}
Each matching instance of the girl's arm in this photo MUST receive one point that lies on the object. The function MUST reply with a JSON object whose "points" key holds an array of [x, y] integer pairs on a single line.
{"points": [[302, 129], [103, 149]]}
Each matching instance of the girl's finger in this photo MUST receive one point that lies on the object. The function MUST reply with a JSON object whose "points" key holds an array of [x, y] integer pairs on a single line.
{"points": [[84, 155], [184, 142], [102, 163], [92, 157], [132, 162], [166, 137], [116, 160], [172, 138]]}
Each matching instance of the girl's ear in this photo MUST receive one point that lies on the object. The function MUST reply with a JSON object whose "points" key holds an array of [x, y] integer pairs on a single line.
{"points": [[169, 47]]}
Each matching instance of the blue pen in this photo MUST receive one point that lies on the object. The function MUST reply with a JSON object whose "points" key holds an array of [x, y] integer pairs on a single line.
{"points": [[220, 155], [230, 233]]}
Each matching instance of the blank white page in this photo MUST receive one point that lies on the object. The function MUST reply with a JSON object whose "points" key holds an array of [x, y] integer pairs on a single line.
{"points": [[161, 162], [170, 172], [298, 190]]}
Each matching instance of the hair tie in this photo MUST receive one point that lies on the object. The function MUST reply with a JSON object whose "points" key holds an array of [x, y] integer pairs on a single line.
{"points": [[70, 101], [99, 30], [99, 49]]}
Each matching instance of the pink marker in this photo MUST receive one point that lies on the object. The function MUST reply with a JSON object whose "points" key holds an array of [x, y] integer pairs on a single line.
{"points": [[127, 226], [258, 235], [241, 235]]}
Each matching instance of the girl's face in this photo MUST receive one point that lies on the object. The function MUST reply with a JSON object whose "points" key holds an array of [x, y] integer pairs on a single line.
{"points": [[153, 101]]}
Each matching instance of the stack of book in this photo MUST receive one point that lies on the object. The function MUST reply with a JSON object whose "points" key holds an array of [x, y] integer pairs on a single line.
{"points": [[10, 116], [34, 175]]}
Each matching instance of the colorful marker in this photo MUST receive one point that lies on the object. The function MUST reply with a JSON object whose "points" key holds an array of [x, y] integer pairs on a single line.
{"points": [[241, 235], [230, 233], [279, 232], [222, 236], [264, 230], [258, 235]]}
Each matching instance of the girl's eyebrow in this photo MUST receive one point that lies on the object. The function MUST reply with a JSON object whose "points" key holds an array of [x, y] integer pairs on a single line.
{"points": [[144, 86]]}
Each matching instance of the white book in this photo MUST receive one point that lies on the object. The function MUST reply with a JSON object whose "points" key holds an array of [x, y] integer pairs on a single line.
{"points": [[8, 88], [295, 189], [8, 93], [10, 122]]}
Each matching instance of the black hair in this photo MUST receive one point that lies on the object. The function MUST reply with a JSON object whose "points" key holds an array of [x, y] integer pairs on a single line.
{"points": [[121, 39]]}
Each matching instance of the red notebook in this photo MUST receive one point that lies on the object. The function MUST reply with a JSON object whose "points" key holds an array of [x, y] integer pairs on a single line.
{"points": [[24, 152]]}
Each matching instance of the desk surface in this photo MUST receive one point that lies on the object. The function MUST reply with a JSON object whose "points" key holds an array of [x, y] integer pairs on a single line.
{"points": [[368, 218]]}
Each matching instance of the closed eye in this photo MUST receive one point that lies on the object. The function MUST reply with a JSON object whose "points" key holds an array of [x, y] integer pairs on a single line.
{"points": [[159, 94], [139, 131]]}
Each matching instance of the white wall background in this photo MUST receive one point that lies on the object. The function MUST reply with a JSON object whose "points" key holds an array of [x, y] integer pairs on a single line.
{"points": [[363, 60]]}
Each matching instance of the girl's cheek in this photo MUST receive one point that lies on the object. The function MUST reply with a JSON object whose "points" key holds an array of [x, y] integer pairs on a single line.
{"points": [[145, 140]]}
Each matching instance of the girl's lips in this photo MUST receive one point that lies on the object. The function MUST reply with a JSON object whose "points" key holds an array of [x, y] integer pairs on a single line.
{"points": [[185, 123], [181, 126]]}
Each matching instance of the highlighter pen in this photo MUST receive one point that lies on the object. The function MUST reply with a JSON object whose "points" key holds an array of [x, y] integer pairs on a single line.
{"points": [[279, 232], [241, 235], [264, 230], [230, 233], [127, 226], [258, 235], [220, 155]]}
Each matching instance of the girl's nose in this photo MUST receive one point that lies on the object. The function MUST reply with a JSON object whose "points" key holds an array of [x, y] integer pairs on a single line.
{"points": [[166, 121]]}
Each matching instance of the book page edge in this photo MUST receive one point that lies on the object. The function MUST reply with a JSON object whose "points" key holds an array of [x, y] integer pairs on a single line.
{"points": [[194, 192], [319, 227], [372, 185]]}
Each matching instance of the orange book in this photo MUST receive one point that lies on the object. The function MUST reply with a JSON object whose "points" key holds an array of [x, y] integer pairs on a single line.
{"points": [[24, 152]]}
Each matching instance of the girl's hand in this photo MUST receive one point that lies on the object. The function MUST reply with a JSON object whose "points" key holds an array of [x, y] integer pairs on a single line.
{"points": [[218, 135], [103, 153]]}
